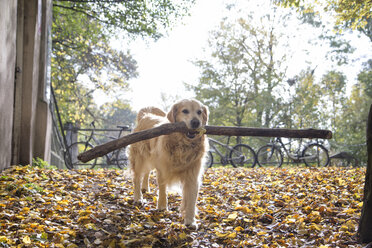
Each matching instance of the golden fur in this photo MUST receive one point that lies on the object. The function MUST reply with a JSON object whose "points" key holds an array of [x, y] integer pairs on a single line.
{"points": [[177, 157]]}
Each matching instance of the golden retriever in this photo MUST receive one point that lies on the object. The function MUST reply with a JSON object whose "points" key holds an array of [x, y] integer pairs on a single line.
{"points": [[177, 157]]}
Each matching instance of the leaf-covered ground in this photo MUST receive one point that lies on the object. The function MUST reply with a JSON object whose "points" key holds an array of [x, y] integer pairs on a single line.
{"points": [[237, 208]]}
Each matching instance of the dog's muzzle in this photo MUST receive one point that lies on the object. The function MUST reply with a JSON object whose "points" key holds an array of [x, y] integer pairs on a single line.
{"points": [[195, 123], [195, 133]]}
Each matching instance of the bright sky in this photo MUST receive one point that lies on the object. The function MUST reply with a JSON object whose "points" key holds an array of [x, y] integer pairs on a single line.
{"points": [[164, 66]]}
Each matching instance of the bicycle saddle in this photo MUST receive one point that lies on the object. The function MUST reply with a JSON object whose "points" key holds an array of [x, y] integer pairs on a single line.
{"points": [[123, 127]]}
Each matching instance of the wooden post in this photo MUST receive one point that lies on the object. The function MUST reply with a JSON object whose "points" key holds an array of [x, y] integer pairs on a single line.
{"points": [[71, 137], [168, 128], [365, 223]]}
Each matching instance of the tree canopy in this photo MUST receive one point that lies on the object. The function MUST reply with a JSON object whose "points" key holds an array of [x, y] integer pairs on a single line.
{"points": [[84, 60], [245, 82], [242, 76], [348, 14]]}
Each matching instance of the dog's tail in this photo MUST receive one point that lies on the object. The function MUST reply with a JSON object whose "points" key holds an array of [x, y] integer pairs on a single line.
{"points": [[150, 110]]}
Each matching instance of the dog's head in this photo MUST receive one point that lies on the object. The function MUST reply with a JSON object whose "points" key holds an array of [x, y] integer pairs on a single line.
{"points": [[193, 113]]}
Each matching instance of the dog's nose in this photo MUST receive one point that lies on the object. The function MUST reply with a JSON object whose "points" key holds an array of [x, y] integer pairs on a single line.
{"points": [[195, 123]]}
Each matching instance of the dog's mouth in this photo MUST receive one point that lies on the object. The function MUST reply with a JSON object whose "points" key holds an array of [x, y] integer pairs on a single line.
{"points": [[191, 134], [194, 133]]}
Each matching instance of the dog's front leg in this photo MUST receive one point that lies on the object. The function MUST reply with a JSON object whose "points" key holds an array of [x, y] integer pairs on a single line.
{"points": [[145, 183], [162, 197], [190, 193], [137, 180]]}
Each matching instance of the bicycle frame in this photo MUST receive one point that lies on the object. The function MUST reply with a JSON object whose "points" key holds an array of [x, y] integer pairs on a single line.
{"points": [[282, 146], [237, 155], [224, 157], [110, 158], [287, 152]]}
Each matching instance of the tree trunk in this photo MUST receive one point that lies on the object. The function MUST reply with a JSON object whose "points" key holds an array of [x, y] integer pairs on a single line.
{"points": [[365, 223]]}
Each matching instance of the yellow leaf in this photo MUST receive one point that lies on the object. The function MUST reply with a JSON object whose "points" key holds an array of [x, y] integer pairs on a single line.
{"points": [[112, 243], [4, 239], [90, 226], [349, 226], [44, 236], [26, 240], [72, 246], [291, 220], [245, 210], [349, 211], [182, 235], [33, 225], [64, 202], [222, 235], [215, 183], [314, 216], [315, 227], [232, 216], [232, 235], [256, 197]]}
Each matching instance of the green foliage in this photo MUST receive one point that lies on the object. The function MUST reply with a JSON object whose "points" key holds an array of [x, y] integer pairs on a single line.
{"points": [[354, 115], [339, 46], [349, 14], [243, 85], [135, 18], [38, 162], [117, 113], [365, 79], [80, 47], [333, 98], [239, 82], [301, 107], [83, 60]]}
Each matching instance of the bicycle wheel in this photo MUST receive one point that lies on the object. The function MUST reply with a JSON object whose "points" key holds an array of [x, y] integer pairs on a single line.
{"points": [[315, 155], [242, 155], [208, 163], [122, 158], [269, 155], [74, 149]]}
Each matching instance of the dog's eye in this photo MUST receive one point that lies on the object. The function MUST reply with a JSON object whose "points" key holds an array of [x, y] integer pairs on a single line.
{"points": [[199, 112], [185, 111]]}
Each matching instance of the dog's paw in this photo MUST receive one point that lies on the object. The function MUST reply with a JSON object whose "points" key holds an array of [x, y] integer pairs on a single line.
{"points": [[192, 226], [138, 200], [162, 204], [145, 190]]}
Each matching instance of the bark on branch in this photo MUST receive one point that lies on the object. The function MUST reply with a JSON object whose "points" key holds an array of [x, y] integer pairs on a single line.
{"points": [[168, 128]]}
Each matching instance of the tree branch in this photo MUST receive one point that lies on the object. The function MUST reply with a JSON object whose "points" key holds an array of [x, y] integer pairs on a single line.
{"points": [[180, 127]]}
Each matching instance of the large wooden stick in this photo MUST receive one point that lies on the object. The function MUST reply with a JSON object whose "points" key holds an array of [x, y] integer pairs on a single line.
{"points": [[269, 132], [168, 128]]}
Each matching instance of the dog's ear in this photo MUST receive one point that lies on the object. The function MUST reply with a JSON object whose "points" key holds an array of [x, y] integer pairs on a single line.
{"points": [[205, 114], [172, 113]]}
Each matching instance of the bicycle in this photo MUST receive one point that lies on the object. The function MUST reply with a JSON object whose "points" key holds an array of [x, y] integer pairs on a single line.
{"points": [[117, 158], [238, 155], [313, 154]]}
